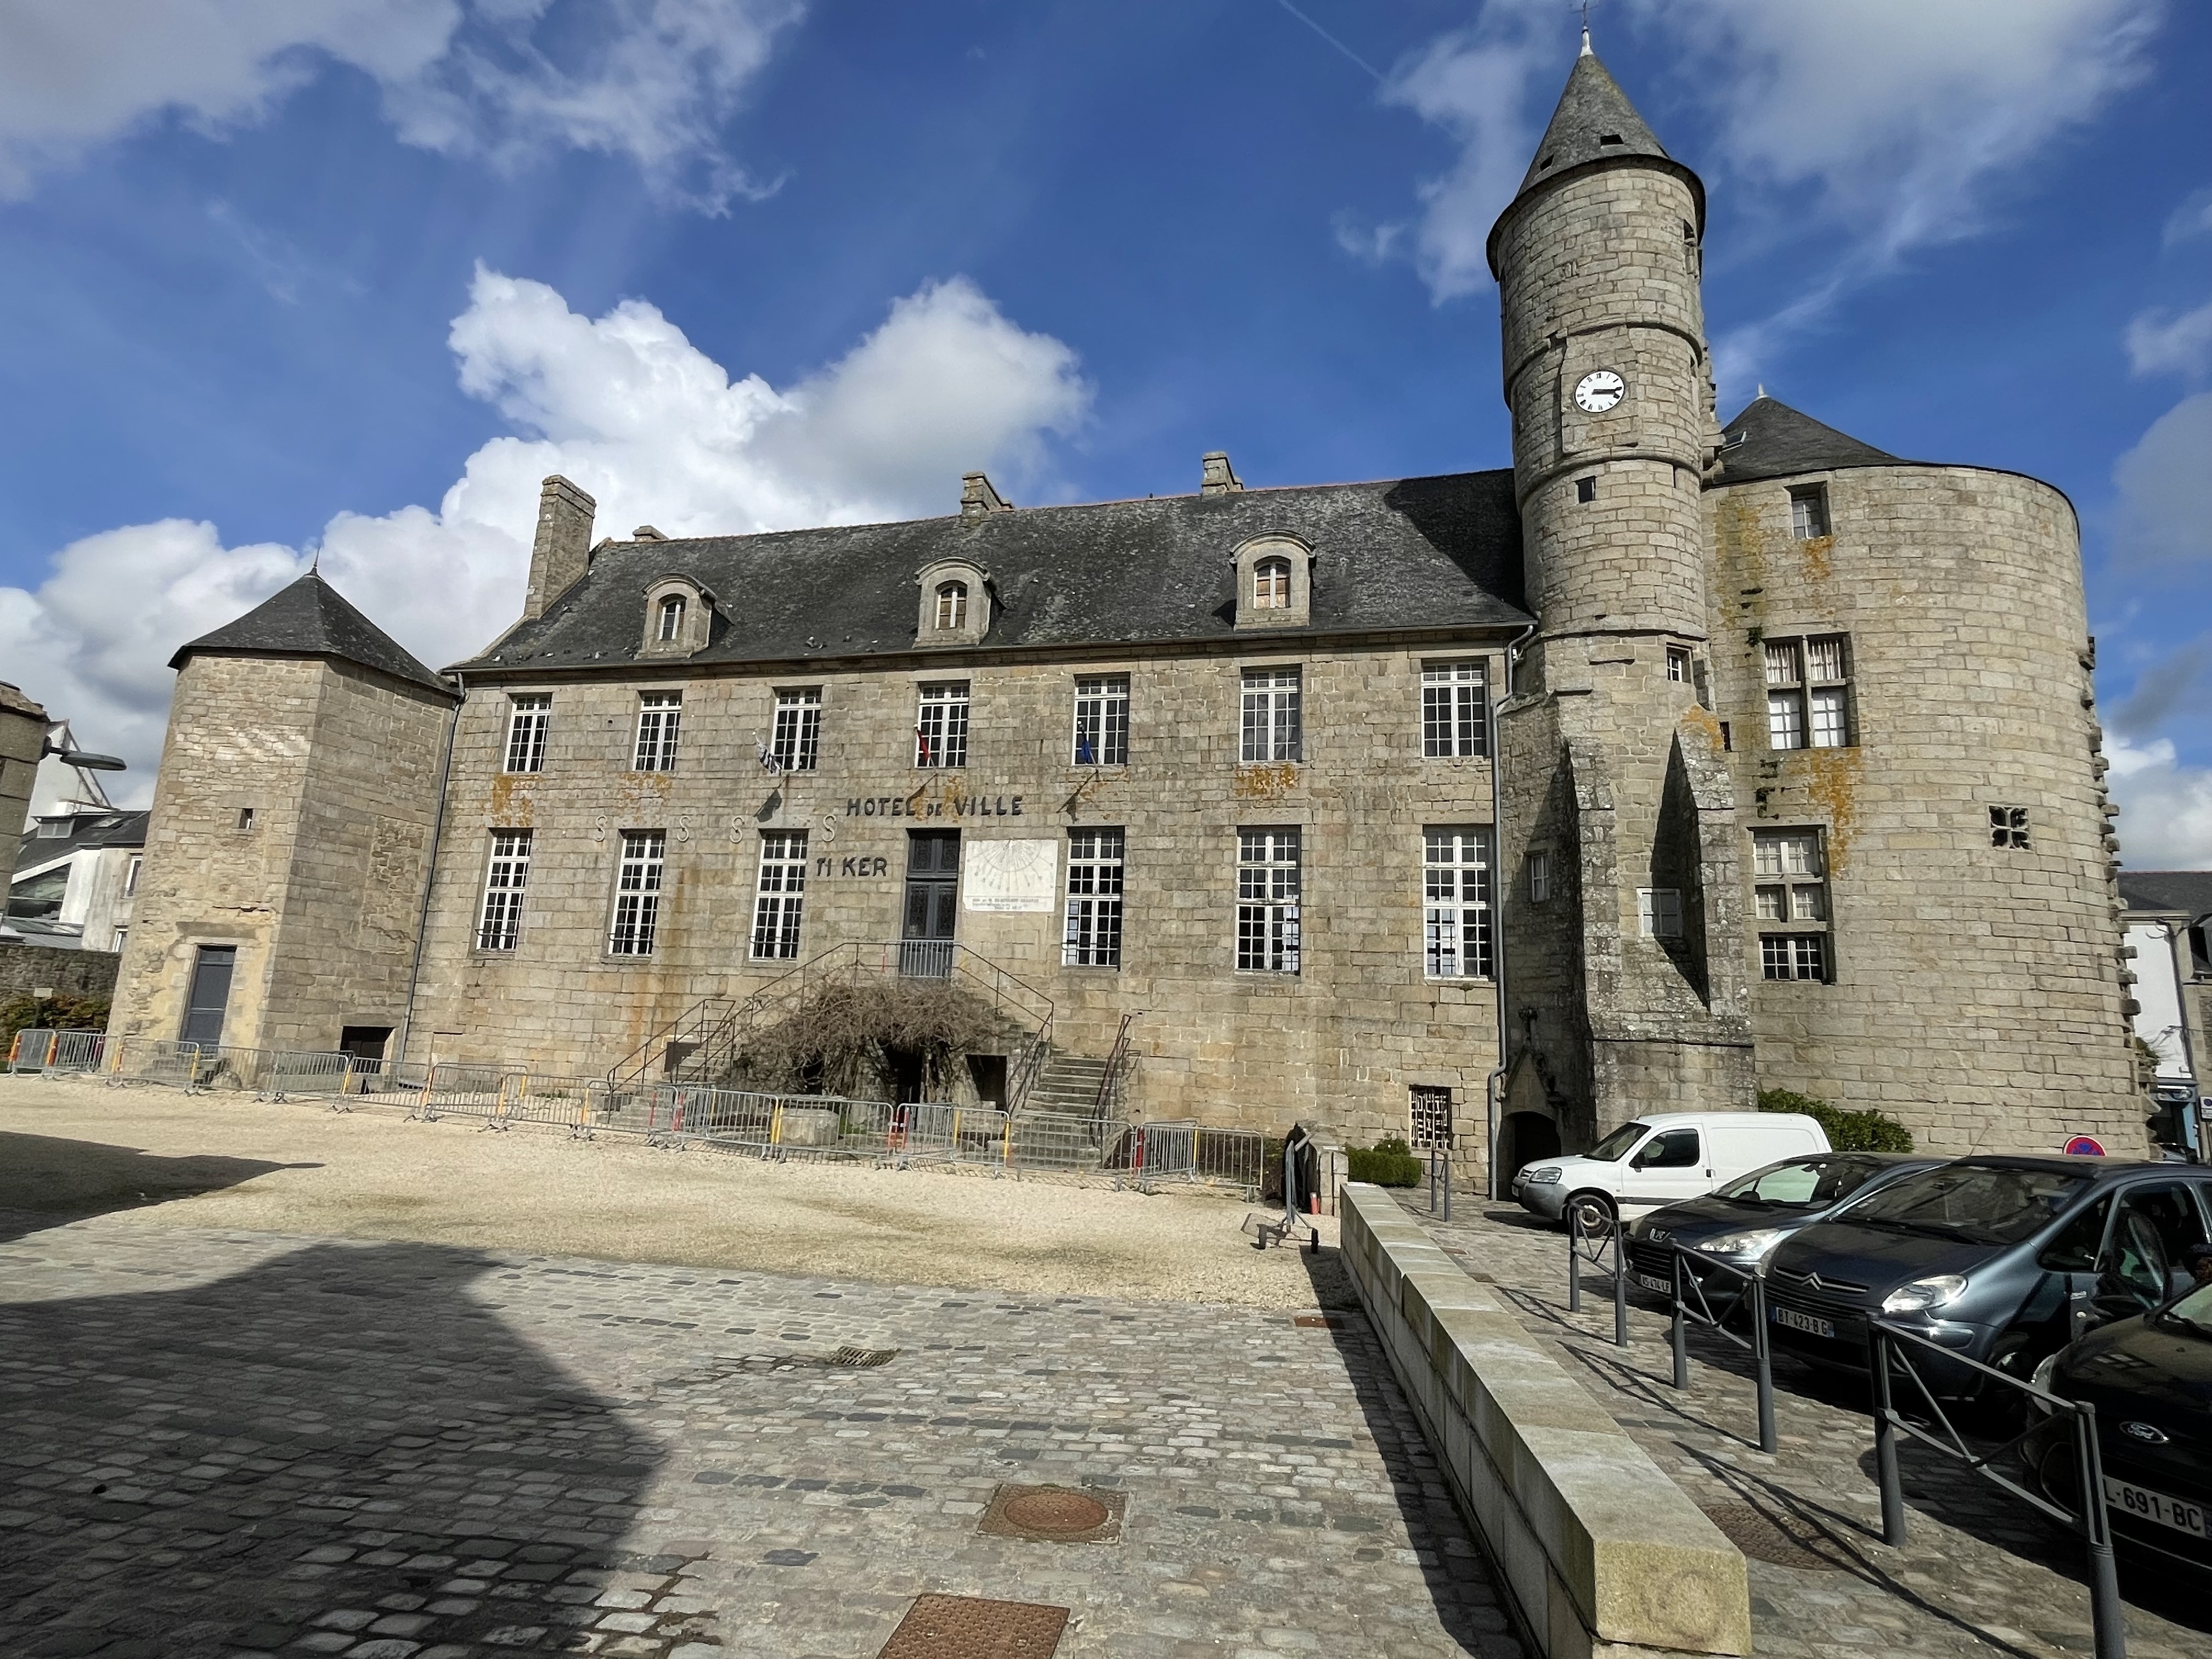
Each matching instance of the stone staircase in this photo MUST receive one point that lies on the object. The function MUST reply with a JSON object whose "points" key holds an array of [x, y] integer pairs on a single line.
{"points": [[1066, 1083]]}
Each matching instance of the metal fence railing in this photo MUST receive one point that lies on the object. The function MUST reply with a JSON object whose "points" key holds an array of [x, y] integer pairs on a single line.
{"points": [[1606, 1251], [56, 1053], [1229, 1158], [143, 1060], [1693, 1292]]}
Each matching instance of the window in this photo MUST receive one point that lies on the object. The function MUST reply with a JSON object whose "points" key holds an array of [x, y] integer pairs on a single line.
{"points": [[1670, 1149], [1267, 901], [658, 716], [1790, 899], [672, 618], [527, 720], [1586, 489], [499, 925], [1455, 708], [1102, 721], [1270, 584], [1455, 903], [1540, 878], [941, 727], [1678, 663], [1808, 512], [1272, 716], [637, 893], [245, 817], [1659, 912], [798, 730], [952, 605], [1808, 693], [130, 877], [122, 938], [1093, 939], [1429, 1110], [51, 829], [2009, 827], [780, 896]]}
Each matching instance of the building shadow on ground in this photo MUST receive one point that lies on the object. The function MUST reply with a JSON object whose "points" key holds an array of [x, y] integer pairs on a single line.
{"points": [[340, 1445], [46, 1181]]}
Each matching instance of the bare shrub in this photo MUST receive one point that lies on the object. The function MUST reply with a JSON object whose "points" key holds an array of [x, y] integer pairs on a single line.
{"points": [[844, 1039]]}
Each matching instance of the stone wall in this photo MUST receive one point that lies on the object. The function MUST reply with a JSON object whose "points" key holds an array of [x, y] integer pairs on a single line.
{"points": [[1976, 992], [22, 741], [26, 968], [1337, 1044]]}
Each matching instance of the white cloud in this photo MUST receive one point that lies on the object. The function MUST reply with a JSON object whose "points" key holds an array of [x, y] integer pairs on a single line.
{"points": [[651, 79], [2165, 808], [626, 406], [2159, 344], [2164, 507], [2192, 219]]}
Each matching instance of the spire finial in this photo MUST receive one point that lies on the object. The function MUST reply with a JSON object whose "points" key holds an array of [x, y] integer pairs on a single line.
{"points": [[1762, 389], [1586, 52]]}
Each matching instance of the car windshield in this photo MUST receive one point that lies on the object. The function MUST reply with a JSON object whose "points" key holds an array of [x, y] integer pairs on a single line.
{"points": [[2194, 1310], [1803, 1184], [1614, 1145], [1980, 1206]]}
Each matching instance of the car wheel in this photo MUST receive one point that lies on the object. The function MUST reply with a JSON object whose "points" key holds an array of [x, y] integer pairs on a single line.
{"points": [[1592, 1212]]}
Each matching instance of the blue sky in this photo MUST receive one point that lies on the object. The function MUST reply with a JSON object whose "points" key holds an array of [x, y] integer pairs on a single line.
{"points": [[351, 275]]}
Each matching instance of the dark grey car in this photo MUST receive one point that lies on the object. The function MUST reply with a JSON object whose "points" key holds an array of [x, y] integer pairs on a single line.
{"points": [[2003, 1260], [1742, 1224]]}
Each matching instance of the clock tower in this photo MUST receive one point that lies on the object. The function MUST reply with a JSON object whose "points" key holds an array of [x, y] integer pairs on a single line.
{"points": [[1626, 990]]}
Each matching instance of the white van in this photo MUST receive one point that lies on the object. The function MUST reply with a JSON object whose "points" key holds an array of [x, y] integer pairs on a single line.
{"points": [[1663, 1158]]}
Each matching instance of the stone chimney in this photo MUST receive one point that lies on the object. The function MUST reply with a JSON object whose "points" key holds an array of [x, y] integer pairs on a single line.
{"points": [[977, 497], [645, 532], [1216, 477], [563, 552]]}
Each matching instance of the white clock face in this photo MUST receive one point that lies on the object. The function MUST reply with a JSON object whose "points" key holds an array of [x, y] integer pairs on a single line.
{"points": [[1599, 391]]}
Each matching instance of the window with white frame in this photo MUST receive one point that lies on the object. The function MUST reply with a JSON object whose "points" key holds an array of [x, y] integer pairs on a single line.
{"points": [[1659, 912], [1808, 512], [798, 738], [1790, 898], [130, 877], [1268, 900], [527, 718], [1808, 704], [941, 727], [780, 896], [1428, 1114], [122, 938], [952, 605], [1455, 708], [1102, 721], [498, 924], [637, 893], [1274, 718], [1270, 584], [1678, 663], [672, 618], [1455, 931], [1540, 878], [659, 714], [1093, 936]]}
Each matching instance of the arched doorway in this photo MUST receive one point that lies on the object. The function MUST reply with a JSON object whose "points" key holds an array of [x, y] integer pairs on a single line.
{"points": [[1522, 1138]]}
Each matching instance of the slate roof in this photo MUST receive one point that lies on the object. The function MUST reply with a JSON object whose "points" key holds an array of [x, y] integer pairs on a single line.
{"points": [[1594, 124], [1402, 554], [1779, 442], [2169, 890], [311, 619], [95, 829]]}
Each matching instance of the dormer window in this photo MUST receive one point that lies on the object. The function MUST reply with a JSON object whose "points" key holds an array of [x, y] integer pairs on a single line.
{"points": [[1270, 584], [671, 619], [955, 603], [1275, 585], [678, 618], [952, 605]]}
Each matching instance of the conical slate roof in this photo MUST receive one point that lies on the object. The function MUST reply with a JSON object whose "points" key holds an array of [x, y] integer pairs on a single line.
{"points": [[1595, 122], [311, 619], [1770, 440]]}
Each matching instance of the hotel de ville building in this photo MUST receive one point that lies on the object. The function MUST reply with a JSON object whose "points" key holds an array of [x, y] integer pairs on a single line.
{"points": [[1492, 809]]}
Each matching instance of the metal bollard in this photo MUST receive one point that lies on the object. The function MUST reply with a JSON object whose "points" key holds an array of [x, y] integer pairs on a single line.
{"points": [[1680, 1335], [1885, 1441], [1574, 1260], [1619, 1283], [1762, 1354], [2106, 1616]]}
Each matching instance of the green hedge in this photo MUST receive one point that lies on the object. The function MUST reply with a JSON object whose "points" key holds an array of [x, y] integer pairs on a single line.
{"points": [[1388, 1163], [1847, 1131], [62, 1013]]}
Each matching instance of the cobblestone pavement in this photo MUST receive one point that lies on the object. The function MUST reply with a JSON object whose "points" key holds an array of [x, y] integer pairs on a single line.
{"points": [[1979, 1573], [222, 1444]]}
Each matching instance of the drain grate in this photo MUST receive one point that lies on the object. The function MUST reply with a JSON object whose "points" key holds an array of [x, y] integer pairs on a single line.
{"points": [[847, 1358], [1055, 1515], [1759, 1536], [969, 1627]]}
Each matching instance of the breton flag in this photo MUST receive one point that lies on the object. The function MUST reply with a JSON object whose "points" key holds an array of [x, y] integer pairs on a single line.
{"points": [[769, 763]]}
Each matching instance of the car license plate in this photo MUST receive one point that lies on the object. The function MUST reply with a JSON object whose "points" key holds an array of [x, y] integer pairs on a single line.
{"points": [[2155, 1506], [1663, 1286], [1808, 1323]]}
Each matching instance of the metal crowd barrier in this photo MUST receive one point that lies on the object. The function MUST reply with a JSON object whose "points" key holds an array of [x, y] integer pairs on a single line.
{"points": [[1230, 1156], [1889, 1354], [1691, 1306], [55, 1053], [1068, 1143], [1591, 1249], [145, 1059], [1167, 1152]]}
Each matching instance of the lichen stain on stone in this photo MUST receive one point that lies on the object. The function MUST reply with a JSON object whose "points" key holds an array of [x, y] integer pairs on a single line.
{"points": [[645, 788], [1833, 781], [1696, 714], [1266, 782], [1816, 550], [511, 802]]}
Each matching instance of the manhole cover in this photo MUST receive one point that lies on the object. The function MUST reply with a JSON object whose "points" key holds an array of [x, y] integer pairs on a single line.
{"points": [[969, 1627], [1055, 1515], [1763, 1539]]}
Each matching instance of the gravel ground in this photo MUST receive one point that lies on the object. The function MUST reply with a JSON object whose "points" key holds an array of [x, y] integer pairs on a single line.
{"points": [[159, 1158]]}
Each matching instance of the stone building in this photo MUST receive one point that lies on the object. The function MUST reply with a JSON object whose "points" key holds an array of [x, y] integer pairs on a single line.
{"points": [[1796, 778]]}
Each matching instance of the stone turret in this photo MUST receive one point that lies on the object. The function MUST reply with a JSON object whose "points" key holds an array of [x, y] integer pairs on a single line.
{"points": [[1626, 990]]}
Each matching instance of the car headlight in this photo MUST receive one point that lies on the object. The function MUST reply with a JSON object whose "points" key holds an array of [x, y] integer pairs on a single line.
{"points": [[1923, 1295], [1750, 1242], [1546, 1176]]}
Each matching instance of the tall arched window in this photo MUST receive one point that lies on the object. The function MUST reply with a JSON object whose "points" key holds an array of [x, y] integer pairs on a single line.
{"points": [[952, 605], [671, 618], [1270, 584]]}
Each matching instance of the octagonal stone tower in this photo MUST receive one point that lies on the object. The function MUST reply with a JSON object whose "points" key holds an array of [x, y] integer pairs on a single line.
{"points": [[1623, 920]]}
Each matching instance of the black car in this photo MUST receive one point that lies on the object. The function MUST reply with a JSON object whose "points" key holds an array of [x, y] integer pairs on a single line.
{"points": [[2150, 1379], [1742, 1222], [2003, 1260]]}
